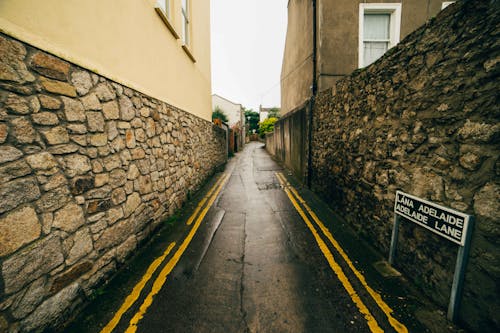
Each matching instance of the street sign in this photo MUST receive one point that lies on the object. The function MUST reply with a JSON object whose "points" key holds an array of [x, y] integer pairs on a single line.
{"points": [[445, 222]]}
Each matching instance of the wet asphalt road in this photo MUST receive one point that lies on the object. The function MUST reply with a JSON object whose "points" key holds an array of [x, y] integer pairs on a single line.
{"points": [[253, 266]]}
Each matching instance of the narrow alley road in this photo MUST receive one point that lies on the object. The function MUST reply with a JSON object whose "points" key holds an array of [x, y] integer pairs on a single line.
{"points": [[253, 265]]}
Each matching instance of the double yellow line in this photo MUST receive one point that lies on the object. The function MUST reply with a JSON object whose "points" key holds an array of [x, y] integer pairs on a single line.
{"points": [[294, 196], [162, 276]]}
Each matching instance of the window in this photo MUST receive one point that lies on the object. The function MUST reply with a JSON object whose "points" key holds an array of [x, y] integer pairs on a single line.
{"points": [[446, 4], [163, 8], [164, 5], [185, 23], [379, 28]]}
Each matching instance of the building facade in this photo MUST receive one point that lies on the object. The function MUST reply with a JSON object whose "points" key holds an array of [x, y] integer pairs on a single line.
{"points": [[349, 35], [105, 131]]}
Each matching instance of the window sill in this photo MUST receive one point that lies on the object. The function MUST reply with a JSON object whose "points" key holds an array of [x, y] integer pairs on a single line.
{"points": [[188, 52], [167, 22]]}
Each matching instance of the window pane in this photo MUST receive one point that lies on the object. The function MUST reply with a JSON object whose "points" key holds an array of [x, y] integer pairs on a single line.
{"points": [[376, 26], [373, 51]]}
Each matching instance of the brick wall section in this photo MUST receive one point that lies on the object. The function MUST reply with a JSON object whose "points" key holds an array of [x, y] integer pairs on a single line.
{"points": [[88, 169], [423, 119]]}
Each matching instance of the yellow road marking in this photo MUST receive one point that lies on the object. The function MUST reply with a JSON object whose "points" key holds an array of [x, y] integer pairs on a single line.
{"points": [[202, 202], [372, 323], [399, 327], [162, 277], [134, 295]]}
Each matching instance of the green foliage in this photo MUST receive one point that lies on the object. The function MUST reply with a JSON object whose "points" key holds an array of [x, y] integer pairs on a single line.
{"points": [[267, 126], [219, 114], [274, 113], [252, 120]]}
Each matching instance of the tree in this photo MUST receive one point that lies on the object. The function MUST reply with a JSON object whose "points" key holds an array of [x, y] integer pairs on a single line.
{"points": [[267, 126], [219, 114], [274, 113], [252, 120]]}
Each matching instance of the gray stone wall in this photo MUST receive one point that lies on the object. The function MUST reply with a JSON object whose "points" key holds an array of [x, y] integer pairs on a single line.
{"points": [[88, 169], [423, 119]]}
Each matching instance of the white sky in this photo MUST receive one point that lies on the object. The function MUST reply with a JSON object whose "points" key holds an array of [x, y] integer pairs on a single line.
{"points": [[248, 39]]}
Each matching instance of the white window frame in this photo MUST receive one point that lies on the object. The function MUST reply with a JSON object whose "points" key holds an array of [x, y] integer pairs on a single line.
{"points": [[186, 23], [394, 9], [446, 4]]}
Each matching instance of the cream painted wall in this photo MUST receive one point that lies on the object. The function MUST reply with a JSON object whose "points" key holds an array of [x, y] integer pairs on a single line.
{"points": [[124, 40]]}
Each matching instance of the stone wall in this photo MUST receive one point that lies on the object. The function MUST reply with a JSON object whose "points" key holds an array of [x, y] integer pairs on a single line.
{"points": [[88, 169], [423, 119]]}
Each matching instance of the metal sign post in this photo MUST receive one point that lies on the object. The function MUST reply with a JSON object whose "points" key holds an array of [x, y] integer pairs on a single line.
{"points": [[446, 222]]}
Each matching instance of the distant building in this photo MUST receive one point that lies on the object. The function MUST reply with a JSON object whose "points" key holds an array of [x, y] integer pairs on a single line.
{"points": [[350, 34], [264, 112], [236, 118]]}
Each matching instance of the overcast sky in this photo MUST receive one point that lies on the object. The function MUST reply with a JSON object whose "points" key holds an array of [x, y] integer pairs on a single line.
{"points": [[248, 39]]}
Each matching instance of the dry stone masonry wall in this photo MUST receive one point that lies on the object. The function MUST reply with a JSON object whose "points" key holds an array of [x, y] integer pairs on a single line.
{"points": [[88, 169], [423, 119]]}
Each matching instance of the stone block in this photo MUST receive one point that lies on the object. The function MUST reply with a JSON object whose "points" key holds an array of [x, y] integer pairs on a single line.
{"points": [[56, 135], [82, 82], [133, 172], [33, 296], [49, 103], [4, 132], [58, 87], [9, 153], [31, 263], [57, 180], [82, 184], [99, 140], [18, 192], [112, 131], [52, 310], [53, 200], [125, 249], [487, 202], [77, 246], [69, 218], [145, 185], [101, 179], [45, 118], [63, 149], [22, 130], [111, 110], [76, 128], [104, 93], [41, 161], [117, 178], [130, 138], [115, 235], [96, 206], [15, 104], [77, 164], [478, 132], [127, 110], [69, 276], [133, 201], [18, 228], [95, 122], [118, 196], [14, 170], [73, 109], [112, 162], [114, 214], [138, 153], [91, 102], [50, 66], [12, 66]]}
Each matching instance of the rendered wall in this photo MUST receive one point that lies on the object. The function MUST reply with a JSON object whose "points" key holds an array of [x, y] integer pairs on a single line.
{"points": [[425, 119], [88, 169], [125, 41]]}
